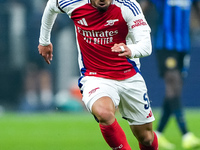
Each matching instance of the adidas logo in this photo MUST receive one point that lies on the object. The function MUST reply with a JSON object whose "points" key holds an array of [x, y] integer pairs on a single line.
{"points": [[82, 22]]}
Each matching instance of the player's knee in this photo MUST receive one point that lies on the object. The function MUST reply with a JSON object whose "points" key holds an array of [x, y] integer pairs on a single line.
{"points": [[104, 111], [105, 116], [146, 140]]}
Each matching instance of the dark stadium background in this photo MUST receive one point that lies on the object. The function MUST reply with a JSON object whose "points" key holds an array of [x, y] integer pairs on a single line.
{"points": [[11, 78]]}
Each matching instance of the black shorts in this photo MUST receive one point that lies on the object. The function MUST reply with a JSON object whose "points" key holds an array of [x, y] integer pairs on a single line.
{"points": [[172, 60]]}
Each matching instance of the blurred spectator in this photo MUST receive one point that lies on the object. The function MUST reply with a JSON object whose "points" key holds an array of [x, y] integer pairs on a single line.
{"points": [[22, 71], [39, 79], [11, 52], [38, 88], [172, 45]]}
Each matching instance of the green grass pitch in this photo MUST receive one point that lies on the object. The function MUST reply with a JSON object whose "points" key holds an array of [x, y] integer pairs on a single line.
{"points": [[73, 131]]}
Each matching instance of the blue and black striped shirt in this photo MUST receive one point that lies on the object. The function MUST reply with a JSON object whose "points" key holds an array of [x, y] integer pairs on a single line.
{"points": [[173, 31]]}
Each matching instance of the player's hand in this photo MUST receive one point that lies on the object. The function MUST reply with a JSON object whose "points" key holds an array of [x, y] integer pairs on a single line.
{"points": [[122, 49], [46, 52]]}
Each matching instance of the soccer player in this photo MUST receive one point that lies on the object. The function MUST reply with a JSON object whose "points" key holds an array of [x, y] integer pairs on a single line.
{"points": [[111, 36], [172, 45]]}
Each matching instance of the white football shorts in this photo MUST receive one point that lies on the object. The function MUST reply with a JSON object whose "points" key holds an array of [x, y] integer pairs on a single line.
{"points": [[129, 95]]}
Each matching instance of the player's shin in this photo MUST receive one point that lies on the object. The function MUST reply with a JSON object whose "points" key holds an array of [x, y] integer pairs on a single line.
{"points": [[115, 136]]}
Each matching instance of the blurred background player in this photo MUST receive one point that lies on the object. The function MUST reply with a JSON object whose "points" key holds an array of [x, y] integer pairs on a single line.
{"points": [[172, 45]]}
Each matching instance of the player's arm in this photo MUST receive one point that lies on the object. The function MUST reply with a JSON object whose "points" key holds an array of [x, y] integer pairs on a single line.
{"points": [[45, 47], [139, 33], [141, 48]]}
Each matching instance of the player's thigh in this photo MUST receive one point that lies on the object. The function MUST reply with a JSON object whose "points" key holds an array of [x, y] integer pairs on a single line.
{"points": [[104, 110], [134, 104], [95, 88]]}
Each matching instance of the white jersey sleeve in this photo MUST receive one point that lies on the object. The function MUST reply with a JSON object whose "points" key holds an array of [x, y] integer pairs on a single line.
{"points": [[48, 19], [139, 30]]}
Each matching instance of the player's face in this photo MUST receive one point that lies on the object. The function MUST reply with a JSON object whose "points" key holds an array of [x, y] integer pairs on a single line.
{"points": [[101, 5]]}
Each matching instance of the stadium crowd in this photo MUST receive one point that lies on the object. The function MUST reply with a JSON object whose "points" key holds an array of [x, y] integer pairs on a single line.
{"points": [[27, 83]]}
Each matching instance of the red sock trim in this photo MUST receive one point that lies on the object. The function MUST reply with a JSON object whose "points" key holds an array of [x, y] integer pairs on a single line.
{"points": [[115, 136]]}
